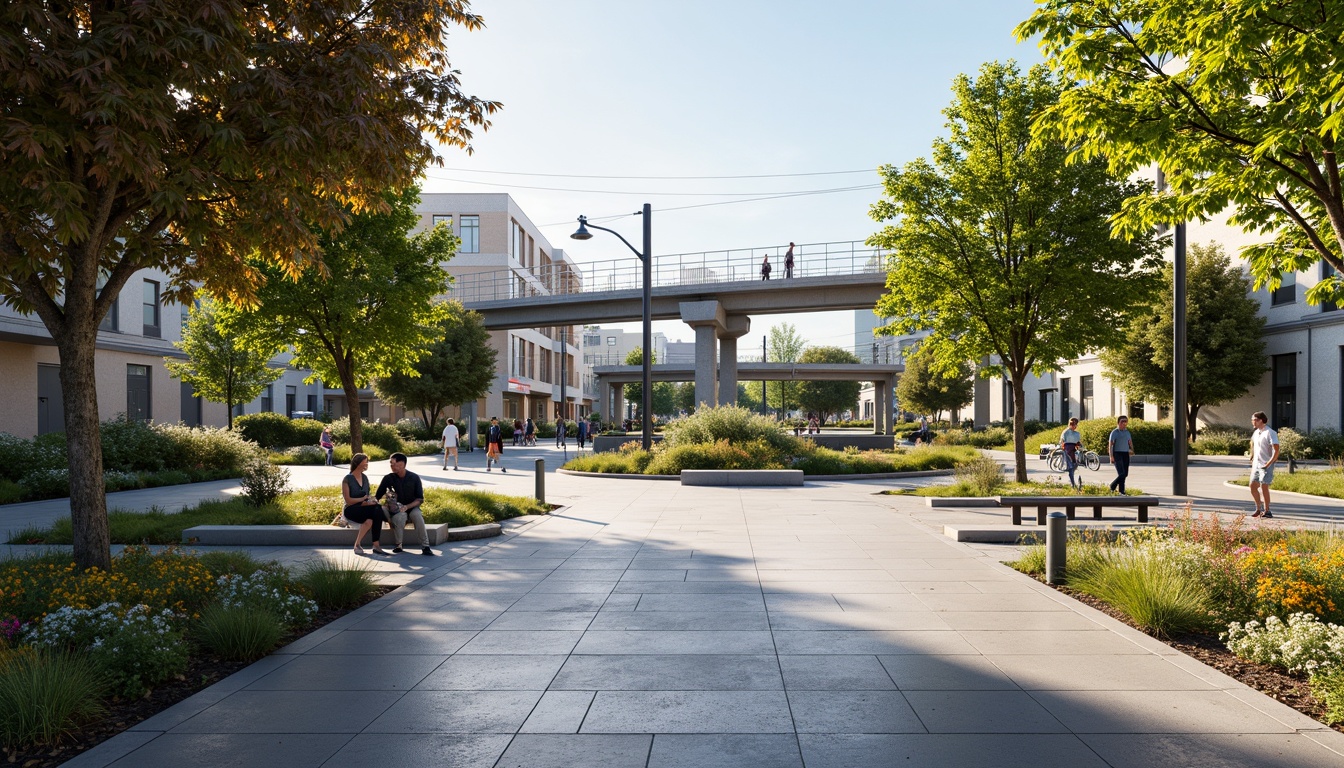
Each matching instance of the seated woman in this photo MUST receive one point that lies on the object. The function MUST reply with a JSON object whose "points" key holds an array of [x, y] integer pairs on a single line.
{"points": [[360, 506]]}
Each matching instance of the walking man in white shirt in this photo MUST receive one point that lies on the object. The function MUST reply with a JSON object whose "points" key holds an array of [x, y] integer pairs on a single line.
{"points": [[450, 437], [1264, 452]]}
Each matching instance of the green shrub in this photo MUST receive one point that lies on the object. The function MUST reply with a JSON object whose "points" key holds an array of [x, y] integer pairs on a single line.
{"points": [[263, 482], [1222, 441], [225, 562], [1146, 586], [304, 455], [1150, 437], [1293, 445], [342, 453], [135, 646], [269, 430], [983, 474], [46, 696], [1328, 688], [305, 431], [47, 483], [709, 426], [268, 590], [337, 586], [135, 446], [1032, 560], [238, 634], [1325, 443], [16, 457], [622, 462], [672, 459], [207, 448], [993, 437], [382, 435], [420, 447]]}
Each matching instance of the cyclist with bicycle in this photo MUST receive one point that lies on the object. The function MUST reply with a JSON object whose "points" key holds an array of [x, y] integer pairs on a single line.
{"points": [[1069, 441]]}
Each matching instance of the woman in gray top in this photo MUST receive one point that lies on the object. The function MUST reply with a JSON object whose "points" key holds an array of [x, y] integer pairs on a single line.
{"points": [[360, 506]]}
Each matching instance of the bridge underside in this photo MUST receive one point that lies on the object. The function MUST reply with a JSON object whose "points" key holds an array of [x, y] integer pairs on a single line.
{"points": [[804, 294]]}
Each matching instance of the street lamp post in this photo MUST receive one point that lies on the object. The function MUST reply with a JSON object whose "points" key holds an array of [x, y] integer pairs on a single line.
{"points": [[1179, 461], [646, 398]]}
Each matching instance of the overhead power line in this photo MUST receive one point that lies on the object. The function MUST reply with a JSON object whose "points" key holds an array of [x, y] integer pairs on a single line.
{"points": [[613, 217], [661, 178], [640, 194]]}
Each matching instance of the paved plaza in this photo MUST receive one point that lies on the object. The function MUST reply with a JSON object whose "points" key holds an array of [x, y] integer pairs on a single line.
{"points": [[647, 624]]}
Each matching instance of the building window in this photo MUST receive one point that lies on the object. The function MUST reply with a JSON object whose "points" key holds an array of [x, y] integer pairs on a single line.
{"points": [[267, 399], [1045, 408], [592, 340], [1064, 400], [1136, 410], [1284, 371], [138, 393], [445, 220], [291, 400], [1007, 400], [611, 341], [110, 320], [363, 409], [1086, 410], [471, 234], [1286, 293], [312, 404], [151, 309]]}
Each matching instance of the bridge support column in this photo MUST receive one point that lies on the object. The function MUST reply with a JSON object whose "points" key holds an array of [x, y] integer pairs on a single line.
{"points": [[617, 404], [881, 408], [708, 320], [736, 327]]}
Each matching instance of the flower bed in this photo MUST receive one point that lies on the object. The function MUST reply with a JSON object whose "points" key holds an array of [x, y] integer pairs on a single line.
{"points": [[84, 655], [1271, 595]]}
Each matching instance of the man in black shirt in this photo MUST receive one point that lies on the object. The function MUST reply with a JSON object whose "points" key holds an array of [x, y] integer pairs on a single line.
{"points": [[410, 494]]}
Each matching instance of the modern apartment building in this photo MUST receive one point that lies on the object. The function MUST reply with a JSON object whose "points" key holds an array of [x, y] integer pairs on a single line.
{"points": [[610, 346], [500, 246]]}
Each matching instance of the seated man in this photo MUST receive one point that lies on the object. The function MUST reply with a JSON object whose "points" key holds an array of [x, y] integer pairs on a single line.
{"points": [[409, 493]]}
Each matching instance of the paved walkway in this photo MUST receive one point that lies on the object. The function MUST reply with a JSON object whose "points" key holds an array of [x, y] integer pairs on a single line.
{"points": [[653, 625]]}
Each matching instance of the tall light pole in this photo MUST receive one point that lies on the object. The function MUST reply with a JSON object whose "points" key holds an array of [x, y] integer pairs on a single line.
{"points": [[1179, 463], [646, 398]]}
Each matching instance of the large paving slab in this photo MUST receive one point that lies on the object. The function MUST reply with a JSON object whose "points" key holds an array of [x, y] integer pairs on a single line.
{"points": [[650, 624]]}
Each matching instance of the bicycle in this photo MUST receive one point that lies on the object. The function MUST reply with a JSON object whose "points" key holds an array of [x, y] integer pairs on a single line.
{"points": [[1085, 458]]}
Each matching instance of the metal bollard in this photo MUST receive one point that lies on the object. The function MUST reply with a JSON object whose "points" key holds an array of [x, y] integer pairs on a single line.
{"points": [[541, 480], [1056, 541]]}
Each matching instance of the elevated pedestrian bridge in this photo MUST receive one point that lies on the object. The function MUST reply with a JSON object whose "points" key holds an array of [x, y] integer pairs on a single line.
{"points": [[827, 277]]}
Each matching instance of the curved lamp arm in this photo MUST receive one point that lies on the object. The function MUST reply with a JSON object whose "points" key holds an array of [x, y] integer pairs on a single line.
{"points": [[583, 234]]}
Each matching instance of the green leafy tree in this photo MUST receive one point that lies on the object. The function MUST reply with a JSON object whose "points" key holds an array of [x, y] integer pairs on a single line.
{"points": [[664, 392], [188, 136], [927, 388], [459, 368], [1239, 103], [1003, 249], [749, 396], [684, 399], [369, 312], [827, 398], [785, 345], [218, 366], [1225, 354]]}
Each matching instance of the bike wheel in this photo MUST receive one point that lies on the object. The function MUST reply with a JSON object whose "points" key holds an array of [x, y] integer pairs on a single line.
{"points": [[1093, 461], [1056, 461]]}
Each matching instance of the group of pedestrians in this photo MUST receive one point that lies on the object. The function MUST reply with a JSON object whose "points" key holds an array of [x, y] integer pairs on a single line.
{"points": [[1120, 449], [766, 269]]}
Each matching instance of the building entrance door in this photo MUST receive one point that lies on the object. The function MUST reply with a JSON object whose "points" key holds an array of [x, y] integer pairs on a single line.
{"points": [[50, 410]]}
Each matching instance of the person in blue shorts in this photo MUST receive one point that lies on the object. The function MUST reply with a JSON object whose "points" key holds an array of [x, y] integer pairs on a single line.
{"points": [[1264, 453]]}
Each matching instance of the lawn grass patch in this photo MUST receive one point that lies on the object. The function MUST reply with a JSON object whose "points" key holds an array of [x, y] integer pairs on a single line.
{"points": [[1315, 482], [966, 489], [313, 506]]}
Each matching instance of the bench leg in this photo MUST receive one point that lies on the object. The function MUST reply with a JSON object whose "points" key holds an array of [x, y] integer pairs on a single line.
{"points": [[1096, 513], [1069, 511], [1017, 515], [1040, 515], [1143, 513]]}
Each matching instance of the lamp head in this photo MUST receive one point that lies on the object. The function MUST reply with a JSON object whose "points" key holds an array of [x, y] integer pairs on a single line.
{"points": [[582, 233]]}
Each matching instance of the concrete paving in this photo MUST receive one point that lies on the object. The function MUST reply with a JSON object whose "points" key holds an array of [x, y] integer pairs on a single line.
{"points": [[652, 624]]}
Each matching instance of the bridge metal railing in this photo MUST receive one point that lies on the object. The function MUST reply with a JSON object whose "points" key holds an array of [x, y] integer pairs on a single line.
{"points": [[851, 257]]}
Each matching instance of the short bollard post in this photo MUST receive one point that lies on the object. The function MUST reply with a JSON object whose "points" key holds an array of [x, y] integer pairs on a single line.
{"points": [[1056, 537], [541, 480]]}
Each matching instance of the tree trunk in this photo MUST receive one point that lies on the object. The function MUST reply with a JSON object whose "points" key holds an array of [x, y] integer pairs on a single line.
{"points": [[1192, 422], [352, 407], [79, 395], [1019, 428]]}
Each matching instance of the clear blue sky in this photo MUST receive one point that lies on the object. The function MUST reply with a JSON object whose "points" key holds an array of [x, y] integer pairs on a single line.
{"points": [[728, 88]]}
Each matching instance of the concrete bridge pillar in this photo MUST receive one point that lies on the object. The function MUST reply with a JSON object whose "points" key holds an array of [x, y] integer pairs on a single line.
{"points": [[617, 404], [708, 320], [881, 408], [736, 327]]}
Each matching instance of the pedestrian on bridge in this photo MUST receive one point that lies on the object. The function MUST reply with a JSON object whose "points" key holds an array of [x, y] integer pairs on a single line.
{"points": [[788, 263], [765, 267]]}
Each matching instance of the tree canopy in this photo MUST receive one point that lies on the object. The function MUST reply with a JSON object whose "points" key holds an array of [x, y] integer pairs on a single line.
{"points": [[928, 389], [218, 366], [664, 392], [827, 398], [369, 311], [1237, 101], [1002, 249], [784, 345], [459, 368], [1225, 353], [204, 139]]}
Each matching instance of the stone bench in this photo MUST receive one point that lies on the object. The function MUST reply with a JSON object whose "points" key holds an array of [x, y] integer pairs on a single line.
{"points": [[742, 477], [322, 535], [1071, 503]]}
